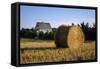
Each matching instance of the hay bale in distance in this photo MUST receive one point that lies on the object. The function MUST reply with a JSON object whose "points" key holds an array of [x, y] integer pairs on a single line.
{"points": [[61, 36], [75, 37]]}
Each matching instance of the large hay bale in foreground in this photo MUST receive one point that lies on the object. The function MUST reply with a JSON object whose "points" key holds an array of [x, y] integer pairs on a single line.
{"points": [[61, 36], [69, 36], [75, 37]]}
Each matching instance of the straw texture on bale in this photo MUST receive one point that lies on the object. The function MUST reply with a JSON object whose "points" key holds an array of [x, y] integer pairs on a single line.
{"points": [[61, 36], [75, 37], [69, 36]]}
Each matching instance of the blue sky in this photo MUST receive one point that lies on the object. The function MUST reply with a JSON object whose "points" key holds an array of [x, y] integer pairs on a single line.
{"points": [[55, 16]]}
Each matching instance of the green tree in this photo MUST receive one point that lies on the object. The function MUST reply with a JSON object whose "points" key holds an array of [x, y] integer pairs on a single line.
{"points": [[41, 34]]}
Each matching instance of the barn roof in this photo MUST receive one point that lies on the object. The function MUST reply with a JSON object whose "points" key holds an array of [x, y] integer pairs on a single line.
{"points": [[42, 25]]}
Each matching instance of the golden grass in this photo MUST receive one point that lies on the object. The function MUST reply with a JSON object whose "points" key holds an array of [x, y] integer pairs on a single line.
{"points": [[86, 52], [31, 43]]}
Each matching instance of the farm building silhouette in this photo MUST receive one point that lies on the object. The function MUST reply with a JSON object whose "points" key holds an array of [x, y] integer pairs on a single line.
{"points": [[43, 27]]}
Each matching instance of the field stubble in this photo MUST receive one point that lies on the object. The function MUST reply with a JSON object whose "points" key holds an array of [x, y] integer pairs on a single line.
{"points": [[86, 52]]}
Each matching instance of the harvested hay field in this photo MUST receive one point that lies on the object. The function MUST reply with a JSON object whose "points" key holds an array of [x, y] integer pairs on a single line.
{"points": [[86, 52], [31, 43]]}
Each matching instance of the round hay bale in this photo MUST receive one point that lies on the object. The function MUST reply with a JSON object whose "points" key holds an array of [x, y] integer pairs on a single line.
{"points": [[75, 37], [61, 36]]}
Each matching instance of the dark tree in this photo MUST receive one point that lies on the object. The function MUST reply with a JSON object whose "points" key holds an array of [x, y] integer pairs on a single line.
{"points": [[40, 35], [89, 32], [27, 33]]}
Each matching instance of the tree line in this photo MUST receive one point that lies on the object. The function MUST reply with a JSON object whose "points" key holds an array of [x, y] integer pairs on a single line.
{"points": [[89, 32], [31, 33]]}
